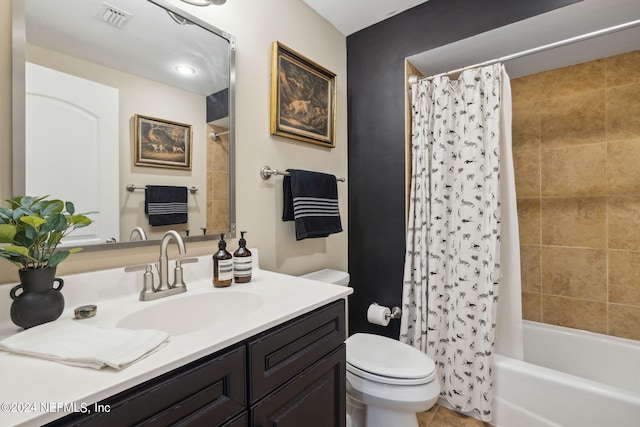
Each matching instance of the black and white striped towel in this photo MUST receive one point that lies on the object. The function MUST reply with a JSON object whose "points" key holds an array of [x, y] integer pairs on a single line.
{"points": [[165, 204], [311, 200]]}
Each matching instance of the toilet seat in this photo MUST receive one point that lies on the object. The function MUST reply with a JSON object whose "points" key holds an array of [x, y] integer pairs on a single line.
{"points": [[384, 360]]}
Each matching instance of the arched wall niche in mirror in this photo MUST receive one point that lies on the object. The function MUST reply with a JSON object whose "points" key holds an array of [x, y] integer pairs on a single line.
{"points": [[73, 56]]}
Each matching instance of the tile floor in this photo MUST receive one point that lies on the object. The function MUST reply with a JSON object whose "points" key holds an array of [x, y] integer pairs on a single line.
{"points": [[439, 416]]}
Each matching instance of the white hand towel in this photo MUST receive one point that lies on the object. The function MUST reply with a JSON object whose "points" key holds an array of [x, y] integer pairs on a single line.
{"points": [[77, 344]]}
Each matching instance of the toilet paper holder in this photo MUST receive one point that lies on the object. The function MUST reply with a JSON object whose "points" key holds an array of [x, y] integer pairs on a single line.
{"points": [[396, 313]]}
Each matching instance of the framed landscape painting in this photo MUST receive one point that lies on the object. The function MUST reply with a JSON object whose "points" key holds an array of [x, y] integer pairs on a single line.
{"points": [[303, 98], [162, 143]]}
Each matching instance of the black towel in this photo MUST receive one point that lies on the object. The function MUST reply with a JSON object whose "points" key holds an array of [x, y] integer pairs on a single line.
{"points": [[165, 205], [311, 200]]}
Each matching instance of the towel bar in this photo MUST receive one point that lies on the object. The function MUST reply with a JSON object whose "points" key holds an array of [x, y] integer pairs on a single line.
{"points": [[266, 172], [132, 188]]}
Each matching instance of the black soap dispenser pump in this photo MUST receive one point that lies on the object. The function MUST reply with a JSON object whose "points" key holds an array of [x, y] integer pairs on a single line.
{"points": [[242, 263], [222, 265]]}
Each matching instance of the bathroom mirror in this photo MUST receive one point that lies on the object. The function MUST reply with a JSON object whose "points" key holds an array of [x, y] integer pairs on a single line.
{"points": [[84, 74]]}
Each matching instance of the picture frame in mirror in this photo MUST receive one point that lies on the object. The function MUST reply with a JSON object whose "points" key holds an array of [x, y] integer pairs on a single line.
{"points": [[162, 143]]}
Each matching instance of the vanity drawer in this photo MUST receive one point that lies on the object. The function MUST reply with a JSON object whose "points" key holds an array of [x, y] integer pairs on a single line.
{"points": [[210, 390], [280, 354]]}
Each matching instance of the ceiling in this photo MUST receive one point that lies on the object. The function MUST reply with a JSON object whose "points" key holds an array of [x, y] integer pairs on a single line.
{"points": [[586, 16], [148, 42], [574, 20], [350, 16]]}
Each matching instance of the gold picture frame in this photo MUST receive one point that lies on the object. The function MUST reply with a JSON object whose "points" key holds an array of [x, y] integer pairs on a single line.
{"points": [[303, 98], [162, 143]]}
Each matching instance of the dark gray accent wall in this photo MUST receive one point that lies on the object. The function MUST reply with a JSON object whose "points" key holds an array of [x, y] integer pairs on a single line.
{"points": [[375, 97], [218, 105]]}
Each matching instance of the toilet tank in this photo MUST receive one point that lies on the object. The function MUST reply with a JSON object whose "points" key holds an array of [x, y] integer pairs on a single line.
{"points": [[329, 276]]}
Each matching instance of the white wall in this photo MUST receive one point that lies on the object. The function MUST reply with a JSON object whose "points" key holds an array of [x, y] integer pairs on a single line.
{"points": [[255, 25], [142, 96]]}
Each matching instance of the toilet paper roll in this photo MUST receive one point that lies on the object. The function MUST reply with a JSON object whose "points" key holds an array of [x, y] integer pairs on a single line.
{"points": [[378, 314]]}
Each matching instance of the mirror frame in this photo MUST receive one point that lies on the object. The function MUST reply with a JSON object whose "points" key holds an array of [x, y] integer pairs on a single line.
{"points": [[19, 42]]}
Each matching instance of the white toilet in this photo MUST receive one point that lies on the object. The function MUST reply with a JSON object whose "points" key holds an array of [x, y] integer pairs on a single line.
{"points": [[388, 382]]}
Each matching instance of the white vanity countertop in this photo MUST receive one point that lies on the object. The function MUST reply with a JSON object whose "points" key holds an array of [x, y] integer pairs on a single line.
{"points": [[36, 391]]}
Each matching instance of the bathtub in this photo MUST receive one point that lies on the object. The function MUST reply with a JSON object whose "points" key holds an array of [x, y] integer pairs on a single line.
{"points": [[569, 378]]}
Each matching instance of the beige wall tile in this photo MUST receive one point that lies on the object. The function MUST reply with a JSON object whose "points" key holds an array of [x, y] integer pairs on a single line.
{"points": [[583, 122], [573, 119], [574, 272], [220, 158], [573, 80], [623, 173], [526, 166], [220, 180], [532, 306], [526, 126], [624, 277], [525, 89], [530, 268], [574, 171], [211, 189], [529, 221], [623, 213], [574, 221], [575, 313], [622, 69], [623, 107], [624, 321], [216, 221]]}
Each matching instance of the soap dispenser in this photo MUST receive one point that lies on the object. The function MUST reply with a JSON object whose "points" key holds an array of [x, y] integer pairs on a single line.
{"points": [[242, 262], [222, 265]]}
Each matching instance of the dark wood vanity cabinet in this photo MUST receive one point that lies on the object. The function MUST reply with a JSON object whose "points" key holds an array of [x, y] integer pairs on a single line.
{"points": [[315, 398], [289, 376], [297, 372]]}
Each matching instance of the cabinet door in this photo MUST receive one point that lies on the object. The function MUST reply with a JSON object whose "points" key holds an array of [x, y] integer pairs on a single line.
{"points": [[315, 398], [280, 354]]}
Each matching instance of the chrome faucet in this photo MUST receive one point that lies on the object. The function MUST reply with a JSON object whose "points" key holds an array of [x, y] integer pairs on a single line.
{"points": [[164, 289], [139, 232], [163, 260]]}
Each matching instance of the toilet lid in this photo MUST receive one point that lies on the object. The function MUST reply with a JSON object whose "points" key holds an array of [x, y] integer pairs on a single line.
{"points": [[386, 357]]}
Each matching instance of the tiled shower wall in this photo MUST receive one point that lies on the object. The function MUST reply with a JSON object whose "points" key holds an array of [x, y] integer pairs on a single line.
{"points": [[217, 180], [576, 149]]}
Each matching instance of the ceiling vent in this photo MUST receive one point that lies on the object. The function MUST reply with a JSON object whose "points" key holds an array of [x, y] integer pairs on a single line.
{"points": [[113, 16]]}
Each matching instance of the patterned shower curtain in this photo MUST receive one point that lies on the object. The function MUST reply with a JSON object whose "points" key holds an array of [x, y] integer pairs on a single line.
{"points": [[452, 265]]}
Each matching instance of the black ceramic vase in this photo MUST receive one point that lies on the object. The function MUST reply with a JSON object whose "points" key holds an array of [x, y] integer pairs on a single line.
{"points": [[39, 301]]}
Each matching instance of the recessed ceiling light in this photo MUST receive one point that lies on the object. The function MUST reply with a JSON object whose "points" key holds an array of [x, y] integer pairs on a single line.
{"points": [[185, 69], [205, 2]]}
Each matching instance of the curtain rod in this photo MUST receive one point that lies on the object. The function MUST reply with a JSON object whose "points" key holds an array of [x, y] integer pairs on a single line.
{"points": [[565, 42]]}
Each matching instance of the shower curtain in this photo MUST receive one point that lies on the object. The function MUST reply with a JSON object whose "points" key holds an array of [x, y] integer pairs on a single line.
{"points": [[453, 264]]}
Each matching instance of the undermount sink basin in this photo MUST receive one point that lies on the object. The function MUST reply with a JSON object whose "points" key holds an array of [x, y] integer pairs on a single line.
{"points": [[192, 313]]}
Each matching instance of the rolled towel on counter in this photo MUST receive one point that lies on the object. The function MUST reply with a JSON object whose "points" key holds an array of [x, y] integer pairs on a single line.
{"points": [[76, 344], [166, 205]]}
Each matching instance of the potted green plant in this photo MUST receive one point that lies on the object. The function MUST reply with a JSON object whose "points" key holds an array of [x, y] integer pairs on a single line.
{"points": [[30, 231]]}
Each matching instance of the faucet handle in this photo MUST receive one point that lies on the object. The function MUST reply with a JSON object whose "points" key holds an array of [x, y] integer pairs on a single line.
{"points": [[178, 280], [181, 261], [138, 267], [147, 279]]}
